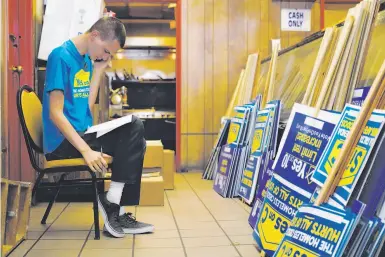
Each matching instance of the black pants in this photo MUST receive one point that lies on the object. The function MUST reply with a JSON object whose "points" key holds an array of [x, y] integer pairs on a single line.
{"points": [[126, 145]]}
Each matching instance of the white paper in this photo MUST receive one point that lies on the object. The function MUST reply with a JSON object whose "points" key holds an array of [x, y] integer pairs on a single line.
{"points": [[104, 128], [84, 15], [54, 34], [66, 19]]}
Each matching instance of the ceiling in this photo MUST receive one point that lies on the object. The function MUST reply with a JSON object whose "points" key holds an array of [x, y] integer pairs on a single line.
{"points": [[142, 11], [145, 19]]}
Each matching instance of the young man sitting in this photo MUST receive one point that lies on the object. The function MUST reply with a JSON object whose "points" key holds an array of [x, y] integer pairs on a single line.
{"points": [[73, 72]]}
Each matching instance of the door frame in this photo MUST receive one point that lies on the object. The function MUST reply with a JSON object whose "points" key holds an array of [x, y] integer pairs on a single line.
{"points": [[178, 140], [178, 17], [3, 79], [18, 19]]}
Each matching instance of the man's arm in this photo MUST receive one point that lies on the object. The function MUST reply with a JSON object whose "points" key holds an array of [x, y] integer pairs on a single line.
{"points": [[97, 73], [93, 159], [94, 87], [57, 116]]}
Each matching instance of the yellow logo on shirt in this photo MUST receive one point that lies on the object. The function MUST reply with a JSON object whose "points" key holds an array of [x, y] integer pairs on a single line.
{"points": [[81, 84]]}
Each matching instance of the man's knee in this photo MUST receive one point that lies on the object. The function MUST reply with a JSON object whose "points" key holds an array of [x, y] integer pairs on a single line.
{"points": [[137, 125]]}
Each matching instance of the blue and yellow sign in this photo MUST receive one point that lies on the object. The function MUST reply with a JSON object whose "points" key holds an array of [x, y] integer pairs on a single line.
{"points": [[360, 156], [316, 231]]}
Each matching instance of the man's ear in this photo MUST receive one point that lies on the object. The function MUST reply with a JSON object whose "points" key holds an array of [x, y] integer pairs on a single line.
{"points": [[94, 34]]}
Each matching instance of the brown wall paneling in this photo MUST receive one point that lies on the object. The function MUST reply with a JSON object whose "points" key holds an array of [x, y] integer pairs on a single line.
{"points": [[253, 16], [209, 79], [217, 37], [237, 43], [315, 17], [220, 60], [184, 151], [195, 74], [264, 40], [285, 35], [208, 146], [274, 21], [195, 150], [209, 67], [185, 67], [334, 13]]}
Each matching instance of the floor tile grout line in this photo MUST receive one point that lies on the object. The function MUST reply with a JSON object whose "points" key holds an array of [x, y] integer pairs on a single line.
{"points": [[176, 224], [85, 241], [240, 203], [133, 237], [228, 237], [37, 240]]}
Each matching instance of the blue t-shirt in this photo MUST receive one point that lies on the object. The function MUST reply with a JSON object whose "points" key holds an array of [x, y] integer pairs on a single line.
{"points": [[68, 71]]}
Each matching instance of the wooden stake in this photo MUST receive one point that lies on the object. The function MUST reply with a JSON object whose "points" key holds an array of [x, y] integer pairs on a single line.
{"points": [[373, 7], [338, 88], [346, 86], [317, 65], [335, 61], [235, 96], [274, 57], [371, 102]]}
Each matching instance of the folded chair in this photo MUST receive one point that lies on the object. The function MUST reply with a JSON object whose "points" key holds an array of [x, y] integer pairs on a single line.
{"points": [[30, 114]]}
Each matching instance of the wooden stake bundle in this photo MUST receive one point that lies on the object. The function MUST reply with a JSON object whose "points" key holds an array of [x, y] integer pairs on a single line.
{"points": [[335, 62], [235, 95], [243, 92], [338, 89], [371, 102], [324, 68], [361, 15], [248, 81], [373, 8], [273, 72], [326, 40]]}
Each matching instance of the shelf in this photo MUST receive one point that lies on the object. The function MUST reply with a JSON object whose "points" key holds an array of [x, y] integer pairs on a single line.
{"points": [[144, 82]]}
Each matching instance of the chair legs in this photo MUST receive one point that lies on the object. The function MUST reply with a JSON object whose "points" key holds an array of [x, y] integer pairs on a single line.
{"points": [[96, 208], [95, 199], [38, 180], [48, 210]]}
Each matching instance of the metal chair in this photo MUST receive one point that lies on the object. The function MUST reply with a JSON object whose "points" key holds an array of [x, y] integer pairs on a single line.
{"points": [[30, 114]]}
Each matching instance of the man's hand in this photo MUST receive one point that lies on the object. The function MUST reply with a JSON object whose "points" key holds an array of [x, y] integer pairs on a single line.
{"points": [[100, 66], [95, 160]]}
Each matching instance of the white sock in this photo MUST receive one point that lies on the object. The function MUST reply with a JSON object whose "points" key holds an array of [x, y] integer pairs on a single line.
{"points": [[122, 211], [115, 192]]}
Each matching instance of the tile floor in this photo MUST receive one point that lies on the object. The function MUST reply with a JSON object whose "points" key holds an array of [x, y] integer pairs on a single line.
{"points": [[194, 221]]}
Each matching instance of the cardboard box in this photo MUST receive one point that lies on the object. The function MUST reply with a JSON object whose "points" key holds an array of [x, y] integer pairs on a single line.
{"points": [[168, 170], [151, 190], [153, 157]]}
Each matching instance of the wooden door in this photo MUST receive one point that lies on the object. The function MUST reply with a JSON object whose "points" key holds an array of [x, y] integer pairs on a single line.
{"points": [[13, 138], [20, 71], [27, 62]]}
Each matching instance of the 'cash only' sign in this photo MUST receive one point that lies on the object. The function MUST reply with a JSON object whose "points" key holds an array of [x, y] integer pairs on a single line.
{"points": [[295, 19]]}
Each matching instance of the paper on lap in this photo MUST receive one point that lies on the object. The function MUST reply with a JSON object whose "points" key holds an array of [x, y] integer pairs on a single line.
{"points": [[104, 128]]}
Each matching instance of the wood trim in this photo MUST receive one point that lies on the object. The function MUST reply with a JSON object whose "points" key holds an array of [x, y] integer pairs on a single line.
{"points": [[342, 1], [178, 82], [3, 79], [146, 21], [322, 14]]}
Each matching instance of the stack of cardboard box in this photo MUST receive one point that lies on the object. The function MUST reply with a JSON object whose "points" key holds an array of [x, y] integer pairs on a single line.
{"points": [[158, 174]]}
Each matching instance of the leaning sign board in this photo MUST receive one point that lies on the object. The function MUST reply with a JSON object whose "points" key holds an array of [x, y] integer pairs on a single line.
{"points": [[295, 19], [317, 231]]}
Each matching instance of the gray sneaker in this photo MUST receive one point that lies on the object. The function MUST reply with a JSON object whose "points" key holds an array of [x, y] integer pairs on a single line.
{"points": [[130, 225], [110, 214]]}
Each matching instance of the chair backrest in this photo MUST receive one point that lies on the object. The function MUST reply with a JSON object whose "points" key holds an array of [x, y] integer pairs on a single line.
{"points": [[30, 112]]}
